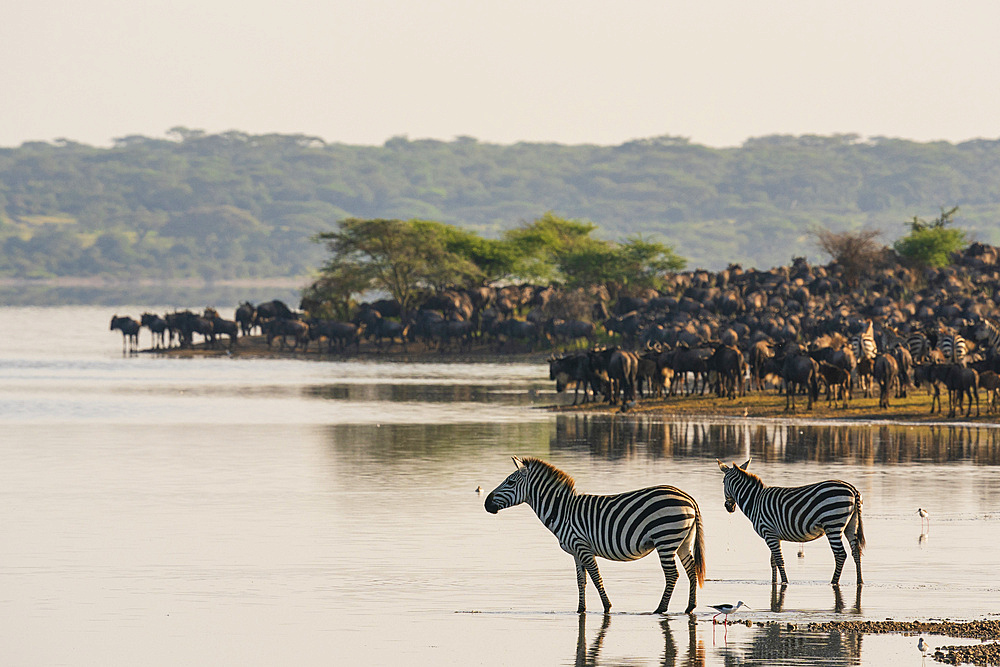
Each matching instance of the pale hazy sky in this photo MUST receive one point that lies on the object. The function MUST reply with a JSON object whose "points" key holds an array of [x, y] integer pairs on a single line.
{"points": [[580, 71]]}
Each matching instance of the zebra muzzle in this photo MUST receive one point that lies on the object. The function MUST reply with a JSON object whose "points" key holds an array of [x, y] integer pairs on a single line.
{"points": [[491, 505], [730, 505]]}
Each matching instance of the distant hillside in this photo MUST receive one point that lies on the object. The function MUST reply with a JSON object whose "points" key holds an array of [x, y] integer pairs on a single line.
{"points": [[235, 206]]}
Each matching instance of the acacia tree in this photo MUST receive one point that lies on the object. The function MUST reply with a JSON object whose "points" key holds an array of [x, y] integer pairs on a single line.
{"points": [[396, 256], [931, 243], [856, 252]]}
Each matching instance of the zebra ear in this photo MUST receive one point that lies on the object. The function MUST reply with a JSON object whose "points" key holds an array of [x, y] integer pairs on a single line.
{"points": [[744, 466], [722, 466], [518, 463]]}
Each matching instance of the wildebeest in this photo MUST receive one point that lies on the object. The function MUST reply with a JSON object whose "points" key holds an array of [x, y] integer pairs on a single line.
{"points": [[512, 331], [727, 362], [157, 326], [282, 328], [684, 360], [934, 374], [990, 381], [575, 369], [185, 324], [340, 333], [760, 352], [379, 328], [221, 327], [800, 371], [622, 369], [961, 382], [130, 332], [270, 310], [886, 372], [245, 316], [837, 381], [568, 331]]}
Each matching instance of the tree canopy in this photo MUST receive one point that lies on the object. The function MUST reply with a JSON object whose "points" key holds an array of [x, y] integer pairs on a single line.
{"points": [[235, 205], [407, 258], [932, 243]]}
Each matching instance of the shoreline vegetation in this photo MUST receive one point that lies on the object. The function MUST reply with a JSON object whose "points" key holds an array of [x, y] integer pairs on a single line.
{"points": [[915, 408]]}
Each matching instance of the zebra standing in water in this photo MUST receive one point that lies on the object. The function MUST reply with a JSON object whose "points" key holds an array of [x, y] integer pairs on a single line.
{"points": [[797, 514], [621, 527]]}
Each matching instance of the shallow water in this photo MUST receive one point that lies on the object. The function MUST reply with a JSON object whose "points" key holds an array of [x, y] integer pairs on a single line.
{"points": [[227, 511]]}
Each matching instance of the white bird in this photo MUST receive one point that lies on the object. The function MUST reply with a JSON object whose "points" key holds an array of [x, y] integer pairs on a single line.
{"points": [[922, 647], [923, 517], [727, 609], [479, 489]]}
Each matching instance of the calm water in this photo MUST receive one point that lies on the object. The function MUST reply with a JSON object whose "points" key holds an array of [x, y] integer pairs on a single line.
{"points": [[226, 511]]}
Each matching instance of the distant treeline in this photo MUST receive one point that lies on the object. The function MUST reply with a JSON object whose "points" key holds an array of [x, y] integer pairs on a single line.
{"points": [[234, 205]]}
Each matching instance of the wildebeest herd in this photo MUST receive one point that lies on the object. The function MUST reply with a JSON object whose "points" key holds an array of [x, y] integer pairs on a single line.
{"points": [[804, 329]]}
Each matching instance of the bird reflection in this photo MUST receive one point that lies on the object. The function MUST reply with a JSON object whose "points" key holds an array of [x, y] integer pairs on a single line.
{"points": [[589, 656], [922, 539]]}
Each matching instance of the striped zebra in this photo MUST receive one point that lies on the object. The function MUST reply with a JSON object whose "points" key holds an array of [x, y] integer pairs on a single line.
{"points": [[863, 343], [798, 514], [989, 331], [621, 527], [953, 348], [919, 346]]}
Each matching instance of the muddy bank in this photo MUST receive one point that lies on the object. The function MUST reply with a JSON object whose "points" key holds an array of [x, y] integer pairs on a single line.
{"points": [[987, 653]]}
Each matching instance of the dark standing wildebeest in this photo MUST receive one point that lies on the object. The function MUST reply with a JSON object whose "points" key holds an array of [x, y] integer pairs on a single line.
{"points": [[759, 354], [885, 370], [800, 371], [961, 381], [727, 362], [684, 360], [513, 331], [837, 381], [622, 369], [282, 328], [270, 310], [157, 326], [990, 381], [568, 331], [575, 369], [222, 327], [130, 332], [245, 315], [341, 333]]}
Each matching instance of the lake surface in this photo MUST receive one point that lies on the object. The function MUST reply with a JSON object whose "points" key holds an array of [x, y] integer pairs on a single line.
{"points": [[266, 512]]}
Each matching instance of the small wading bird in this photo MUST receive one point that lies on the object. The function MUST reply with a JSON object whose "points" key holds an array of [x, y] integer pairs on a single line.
{"points": [[726, 609], [922, 647], [923, 517]]}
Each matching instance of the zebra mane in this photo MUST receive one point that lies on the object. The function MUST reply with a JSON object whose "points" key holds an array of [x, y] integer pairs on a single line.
{"points": [[550, 472], [753, 478]]}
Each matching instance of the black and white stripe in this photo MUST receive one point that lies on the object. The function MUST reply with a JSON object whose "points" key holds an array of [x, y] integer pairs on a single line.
{"points": [[863, 343], [621, 527], [989, 331], [952, 348], [798, 514], [919, 346]]}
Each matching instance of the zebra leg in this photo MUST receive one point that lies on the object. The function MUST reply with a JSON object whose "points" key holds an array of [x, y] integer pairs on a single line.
{"points": [[687, 560], [839, 554], [586, 561], [670, 575], [777, 562]]}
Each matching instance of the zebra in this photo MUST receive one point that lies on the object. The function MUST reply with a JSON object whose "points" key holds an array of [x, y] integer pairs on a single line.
{"points": [[865, 350], [797, 514], [989, 331], [953, 347], [863, 343], [621, 527], [919, 346]]}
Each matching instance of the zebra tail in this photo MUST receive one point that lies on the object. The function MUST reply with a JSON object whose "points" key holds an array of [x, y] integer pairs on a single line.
{"points": [[699, 547]]}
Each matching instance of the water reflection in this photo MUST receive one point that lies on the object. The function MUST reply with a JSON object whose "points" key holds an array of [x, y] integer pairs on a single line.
{"points": [[776, 643], [590, 655], [778, 599], [618, 437], [422, 393]]}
